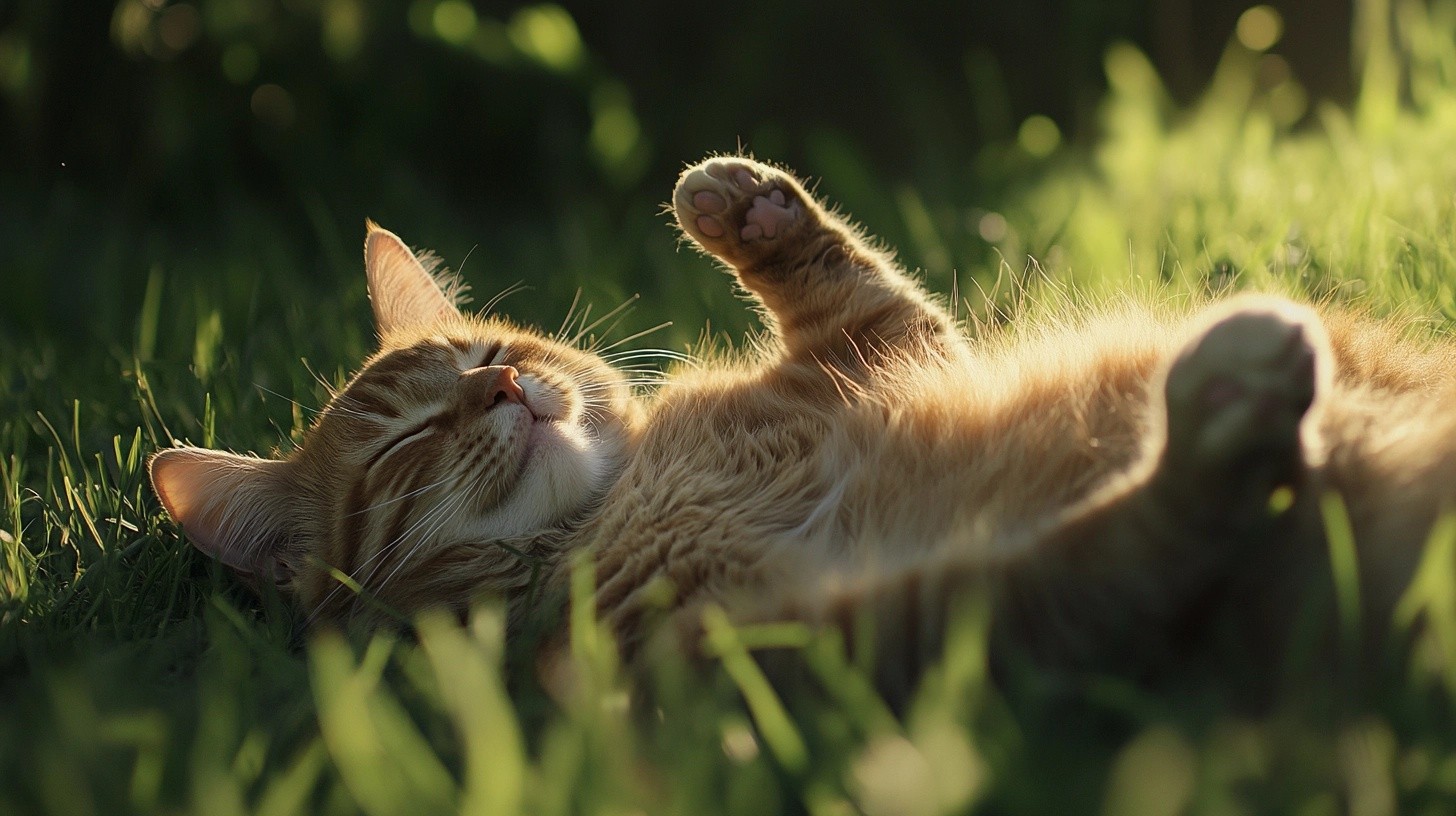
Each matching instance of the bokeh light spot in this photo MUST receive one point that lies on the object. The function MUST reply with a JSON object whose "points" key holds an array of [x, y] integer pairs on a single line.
{"points": [[892, 776], [421, 17], [14, 64], [739, 743], [992, 227], [240, 63], [343, 29], [1153, 776], [1259, 28], [547, 34], [179, 26], [1288, 103], [273, 105], [615, 130], [1039, 136], [491, 42], [1273, 71], [455, 21], [129, 24]]}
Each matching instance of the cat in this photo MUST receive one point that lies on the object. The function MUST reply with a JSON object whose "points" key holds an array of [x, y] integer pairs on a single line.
{"points": [[1102, 480]]}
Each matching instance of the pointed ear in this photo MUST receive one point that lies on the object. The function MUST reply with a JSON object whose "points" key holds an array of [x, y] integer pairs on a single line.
{"points": [[401, 289], [234, 508]]}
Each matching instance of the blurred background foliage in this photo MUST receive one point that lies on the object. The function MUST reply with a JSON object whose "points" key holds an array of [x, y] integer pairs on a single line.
{"points": [[199, 145]]}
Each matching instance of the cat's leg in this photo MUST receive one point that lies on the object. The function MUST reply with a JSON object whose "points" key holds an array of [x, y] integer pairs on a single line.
{"points": [[829, 296], [1236, 414], [1121, 573]]}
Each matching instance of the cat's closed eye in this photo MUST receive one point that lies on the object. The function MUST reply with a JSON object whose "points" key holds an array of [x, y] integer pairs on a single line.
{"points": [[489, 357], [414, 434]]}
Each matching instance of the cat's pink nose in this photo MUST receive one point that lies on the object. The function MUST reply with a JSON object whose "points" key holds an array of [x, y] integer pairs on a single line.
{"points": [[493, 385], [506, 389]]}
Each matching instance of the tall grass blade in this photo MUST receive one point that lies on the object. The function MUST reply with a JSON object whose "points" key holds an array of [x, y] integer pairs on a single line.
{"points": [[1344, 569], [768, 711], [468, 673]]}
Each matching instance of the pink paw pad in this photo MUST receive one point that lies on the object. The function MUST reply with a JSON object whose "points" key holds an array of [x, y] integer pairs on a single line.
{"points": [[709, 226], [766, 215], [709, 202]]}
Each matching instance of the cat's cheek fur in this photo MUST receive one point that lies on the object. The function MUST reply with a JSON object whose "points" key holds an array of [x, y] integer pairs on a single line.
{"points": [[564, 469]]}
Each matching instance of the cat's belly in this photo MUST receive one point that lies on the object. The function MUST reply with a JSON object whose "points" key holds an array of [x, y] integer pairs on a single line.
{"points": [[731, 492], [706, 514]]}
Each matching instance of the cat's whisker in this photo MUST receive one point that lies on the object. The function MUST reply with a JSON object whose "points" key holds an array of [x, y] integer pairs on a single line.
{"points": [[460, 268], [593, 411], [619, 312], [328, 387], [594, 346], [644, 368], [640, 354], [366, 580], [630, 353], [461, 496], [579, 320], [608, 388], [518, 286], [400, 498], [432, 519], [585, 379], [268, 390], [337, 403], [339, 406], [629, 338], [569, 317]]}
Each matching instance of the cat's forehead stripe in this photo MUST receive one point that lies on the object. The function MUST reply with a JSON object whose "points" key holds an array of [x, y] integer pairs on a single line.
{"points": [[404, 361]]}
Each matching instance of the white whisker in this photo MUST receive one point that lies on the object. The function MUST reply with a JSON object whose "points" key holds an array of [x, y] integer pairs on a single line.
{"points": [[631, 337], [267, 390], [619, 312], [518, 286], [364, 582], [401, 498], [444, 517], [569, 318], [638, 354]]}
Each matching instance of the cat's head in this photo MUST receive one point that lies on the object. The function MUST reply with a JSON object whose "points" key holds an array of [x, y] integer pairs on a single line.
{"points": [[446, 467]]}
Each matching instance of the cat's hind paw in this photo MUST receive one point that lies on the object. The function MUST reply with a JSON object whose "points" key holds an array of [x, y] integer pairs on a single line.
{"points": [[1237, 397], [740, 210]]}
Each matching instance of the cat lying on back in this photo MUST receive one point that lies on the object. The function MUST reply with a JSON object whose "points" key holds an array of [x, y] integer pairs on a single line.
{"points": [[1104, 481]]}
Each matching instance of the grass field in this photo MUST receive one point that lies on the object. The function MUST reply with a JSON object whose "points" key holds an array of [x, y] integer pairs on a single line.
{"points": [[137, 677]]}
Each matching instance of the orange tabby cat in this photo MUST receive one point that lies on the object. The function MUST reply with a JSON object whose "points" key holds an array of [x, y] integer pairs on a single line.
{"points": [[1104, 480]]}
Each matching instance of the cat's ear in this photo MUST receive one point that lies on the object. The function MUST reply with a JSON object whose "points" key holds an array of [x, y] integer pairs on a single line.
{"points": [[234, 508], [401, 289]]}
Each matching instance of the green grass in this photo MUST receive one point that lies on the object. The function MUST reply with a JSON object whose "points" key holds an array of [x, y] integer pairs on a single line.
{"points": [[137, 677]]}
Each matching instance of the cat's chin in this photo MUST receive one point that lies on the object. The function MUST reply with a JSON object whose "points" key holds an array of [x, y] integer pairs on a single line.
{"points": [[564, 467]]}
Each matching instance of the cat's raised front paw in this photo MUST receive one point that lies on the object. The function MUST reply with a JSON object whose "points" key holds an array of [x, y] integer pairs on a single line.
{"points": [[1237, 396], [738, 209]]}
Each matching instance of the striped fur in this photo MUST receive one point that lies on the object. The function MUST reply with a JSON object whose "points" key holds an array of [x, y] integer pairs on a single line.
{"points": [[1101, 477]]}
